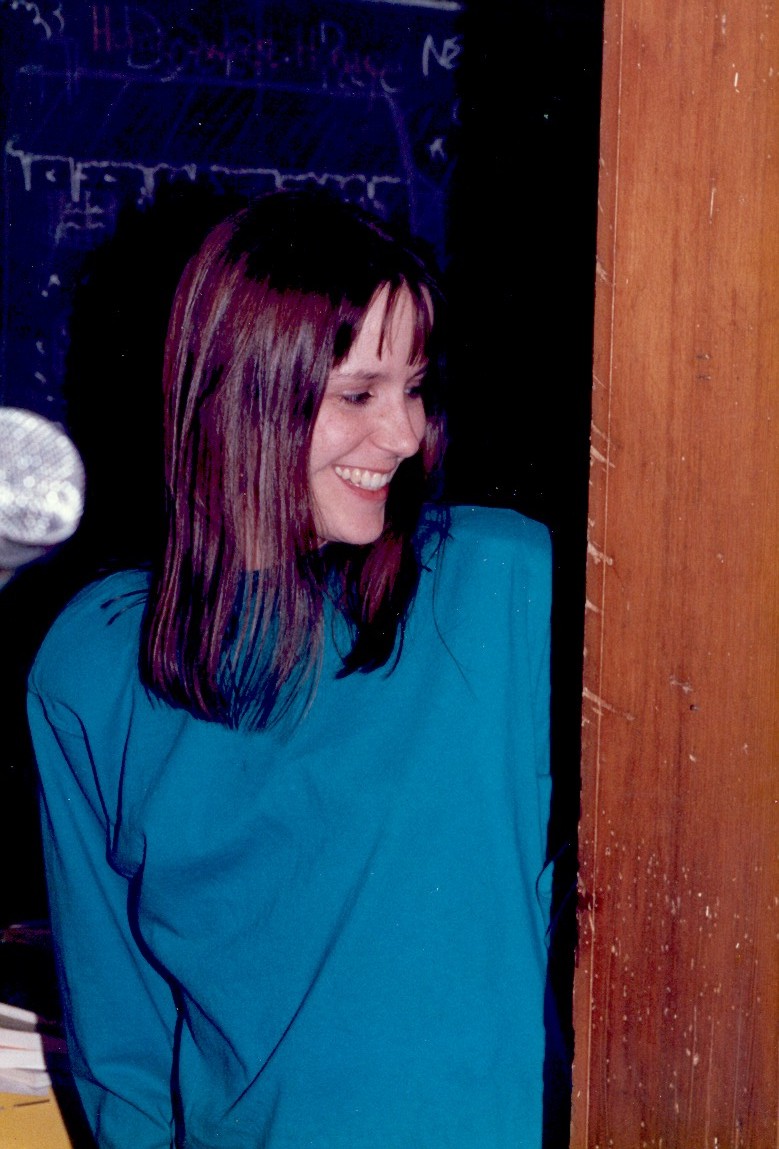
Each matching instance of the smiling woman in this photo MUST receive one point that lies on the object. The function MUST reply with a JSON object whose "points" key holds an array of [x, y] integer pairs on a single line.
{"points": [[372, 418], [295, 785]]}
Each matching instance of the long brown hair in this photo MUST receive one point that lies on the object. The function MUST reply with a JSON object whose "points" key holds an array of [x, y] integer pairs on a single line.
{"points": [[270, 304]]}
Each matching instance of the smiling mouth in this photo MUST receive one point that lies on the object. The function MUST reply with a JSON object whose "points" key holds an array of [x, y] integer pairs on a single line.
{"points": [[365, 480]]}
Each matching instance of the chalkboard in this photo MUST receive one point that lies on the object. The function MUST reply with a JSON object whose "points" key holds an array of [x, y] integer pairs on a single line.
{"points": [[108, 101], [128, 130]]}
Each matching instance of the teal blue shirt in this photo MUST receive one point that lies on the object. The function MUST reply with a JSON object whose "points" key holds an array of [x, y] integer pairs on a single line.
{"points": [[332, 937]]}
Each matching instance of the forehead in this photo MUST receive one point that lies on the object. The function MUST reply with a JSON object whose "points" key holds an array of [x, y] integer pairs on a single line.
{"points": [[395, 325]]}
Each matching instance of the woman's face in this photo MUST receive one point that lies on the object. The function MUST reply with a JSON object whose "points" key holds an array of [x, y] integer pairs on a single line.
{"points": [[370, 420]]}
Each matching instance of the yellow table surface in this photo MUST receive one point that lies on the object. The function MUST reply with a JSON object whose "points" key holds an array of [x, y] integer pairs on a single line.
{"points": [[31, 1122]]}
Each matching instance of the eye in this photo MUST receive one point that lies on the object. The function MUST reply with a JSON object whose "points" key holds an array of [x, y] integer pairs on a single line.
{"points": [[416, 391], [356, 398]]}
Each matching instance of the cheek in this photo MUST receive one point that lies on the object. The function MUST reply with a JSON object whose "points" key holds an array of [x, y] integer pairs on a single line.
{"points": [[335, 435]]}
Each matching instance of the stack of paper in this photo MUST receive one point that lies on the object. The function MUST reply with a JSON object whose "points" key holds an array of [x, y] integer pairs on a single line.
{"points": [[32, 1051]]}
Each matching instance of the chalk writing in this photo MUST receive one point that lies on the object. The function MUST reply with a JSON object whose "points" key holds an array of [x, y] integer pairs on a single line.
{"points": [[49, 22], [76, 172], [110, 100], [446, 58], [321, 53]]}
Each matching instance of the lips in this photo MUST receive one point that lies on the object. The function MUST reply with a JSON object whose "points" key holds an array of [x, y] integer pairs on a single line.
{"points": [[363, 479]]}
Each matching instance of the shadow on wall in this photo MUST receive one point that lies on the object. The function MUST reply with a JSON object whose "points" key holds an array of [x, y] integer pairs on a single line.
{"points": [[114, 365], [113, 393]]}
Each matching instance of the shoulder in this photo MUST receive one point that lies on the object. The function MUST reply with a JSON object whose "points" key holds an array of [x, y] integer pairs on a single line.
{"points": [[488, 561], [94, 641], [469, 536], [491, 528]]}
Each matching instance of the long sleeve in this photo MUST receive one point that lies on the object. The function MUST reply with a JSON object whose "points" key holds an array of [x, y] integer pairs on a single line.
{"points": [[118, 1010]]}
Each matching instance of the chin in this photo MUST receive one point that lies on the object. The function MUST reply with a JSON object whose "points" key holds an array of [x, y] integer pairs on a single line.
{"points": [[351, 535]]}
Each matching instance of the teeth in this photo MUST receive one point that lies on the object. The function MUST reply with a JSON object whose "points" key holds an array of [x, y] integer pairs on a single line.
{"points": [[368, 480]]}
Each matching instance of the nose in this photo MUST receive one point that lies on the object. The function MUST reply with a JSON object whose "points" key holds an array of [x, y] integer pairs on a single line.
{"points": [[400, 427]]}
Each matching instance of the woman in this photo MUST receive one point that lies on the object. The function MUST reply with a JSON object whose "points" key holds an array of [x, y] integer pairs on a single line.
{"points": [[295, 790]]}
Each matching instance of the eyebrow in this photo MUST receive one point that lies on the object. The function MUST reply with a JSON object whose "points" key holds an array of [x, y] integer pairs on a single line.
{"points": [[363, 376]]}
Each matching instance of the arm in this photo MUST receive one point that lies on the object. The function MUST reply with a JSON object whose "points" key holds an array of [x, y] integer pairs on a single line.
{"points": [[118, 1010]]}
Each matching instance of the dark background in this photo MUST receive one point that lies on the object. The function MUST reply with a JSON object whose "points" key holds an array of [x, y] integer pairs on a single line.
{"points": [[129, 130]]}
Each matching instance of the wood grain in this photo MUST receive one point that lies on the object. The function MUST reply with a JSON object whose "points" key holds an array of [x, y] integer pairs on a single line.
{"points": [[676, 996]]}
